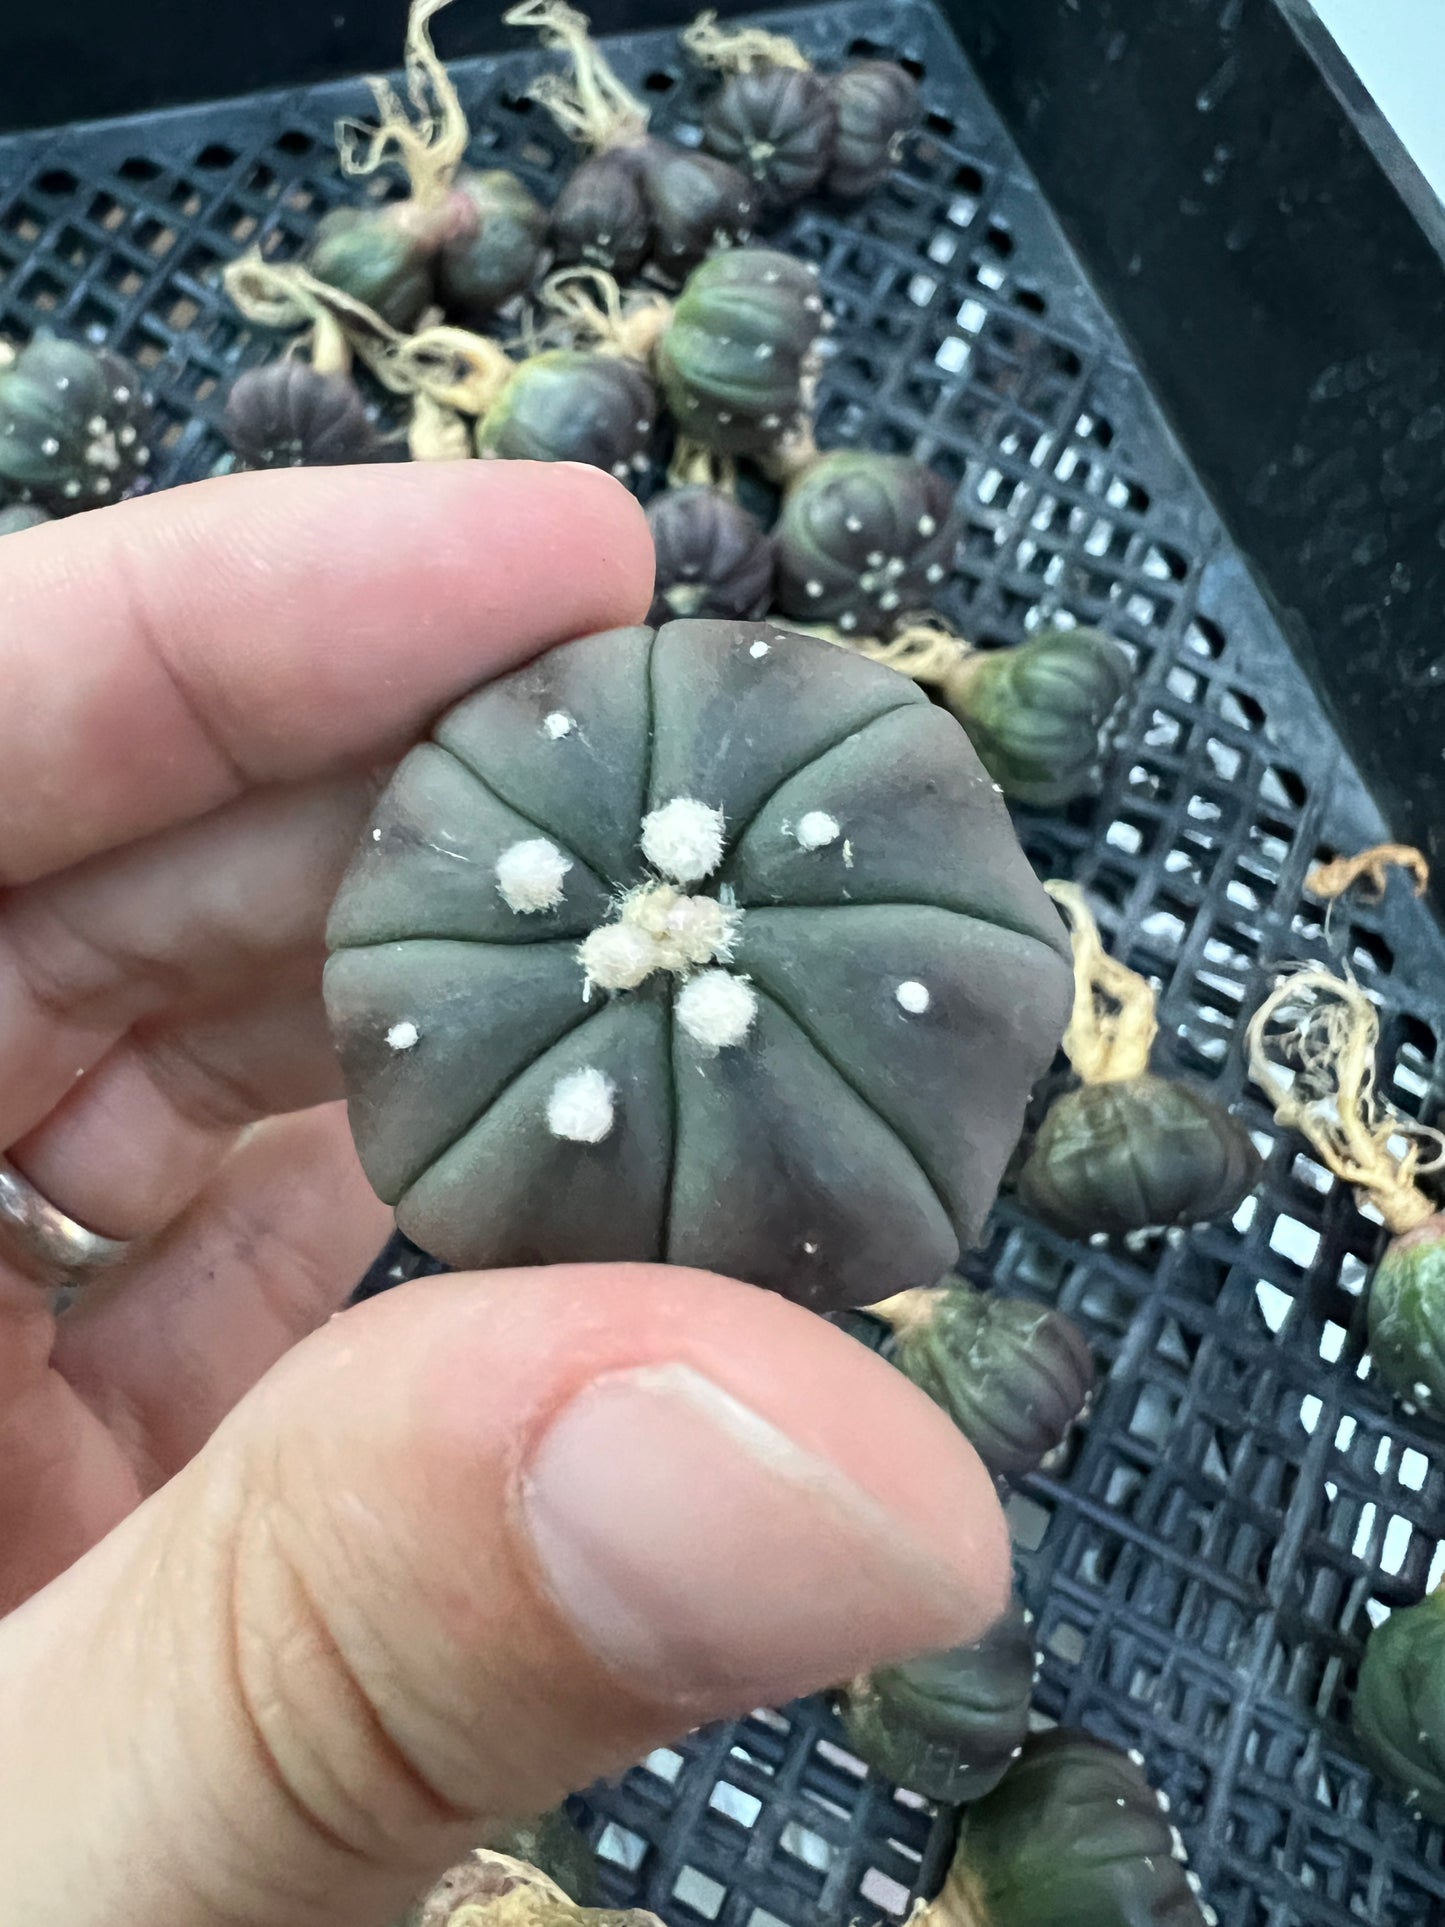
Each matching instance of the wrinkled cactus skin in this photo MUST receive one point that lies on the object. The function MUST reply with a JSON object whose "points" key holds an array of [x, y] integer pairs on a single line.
{"points": [[1073, 1836], [573, 405], [379, 256], [852, 1137], [75, 426], [877, 103], [1037, 714], [1136, 1155], [713, 558], [1011, 1374], [735, 357], [863, 541], [778, 126], [948, 1725], [288, 415], [1407, 1317], [1399, 1709]]}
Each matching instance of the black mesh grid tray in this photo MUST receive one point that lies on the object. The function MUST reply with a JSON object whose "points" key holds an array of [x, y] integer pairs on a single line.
{"points": [[1245, 1499]]}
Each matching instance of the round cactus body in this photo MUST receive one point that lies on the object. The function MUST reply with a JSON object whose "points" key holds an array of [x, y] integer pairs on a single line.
{"points": [[1136, 1154], [948, 1725], [737, 353], [864, 540], [497, 249], [380, 256], [602, 216], [698, 204], [777, 125], [1037, 714], [877, 104], [75, 426], [289, 415], [22, 515], [1073, 1836], [1012, 1375], [713, 558], [710, 945], [1399, 1709], [573, 405], [1407, 1318]]}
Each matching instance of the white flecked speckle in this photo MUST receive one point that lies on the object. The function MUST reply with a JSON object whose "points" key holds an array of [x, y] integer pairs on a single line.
{"points": [[581, 1106], [96, 425], [1136, 1756], [1421, 1390], [847, 620], [530, 874], [758, 651], [853, 523], [1192, 1881], [816, 830], [717, 1009], [810, 1247], [558, 724], [403, 1035], [888, 599], [875, 559], [1163, 1799], [813, 586], [683, 839], [927, 525], [913, 997], [934, 572], [376, 836], [72, 488], [50, 446], [848, 854]]}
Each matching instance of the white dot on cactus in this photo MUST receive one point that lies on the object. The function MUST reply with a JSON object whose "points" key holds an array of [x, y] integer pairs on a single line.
{"points": [[126, 436], [376, 836], [581, 1106], [934, 572], [764, 351], [62, 382], [927, 525], [142, 456], [913, 997], [810, 1247], [717, 1009], [1193, 1882], [1422, 1391], [853, 523], [50, 446], [96, 425], [72, 487], [847, 620], [643, 426], [813, 303], [683, 839], [558, 724], [618, 957], [121, 394], [772, 421], [530, 874], [1136, 1756], [1163, 1799], [758, 651], [888, 599], [620, 470], [816, 830], [403, 1035], [813, 586], [875, 559]]}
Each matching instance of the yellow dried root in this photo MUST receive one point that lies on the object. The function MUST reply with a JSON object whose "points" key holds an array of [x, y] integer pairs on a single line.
{"points": [[1331, 880], [1114, 1020], [591, 104], [739, 50], [585, 306], [430, 139], [1312, 1047]]}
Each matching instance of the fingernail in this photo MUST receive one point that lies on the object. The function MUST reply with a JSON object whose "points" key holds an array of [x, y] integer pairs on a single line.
{"points": [[706, 1557]]}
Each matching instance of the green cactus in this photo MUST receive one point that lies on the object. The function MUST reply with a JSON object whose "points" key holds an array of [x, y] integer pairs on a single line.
{"points": [[948, 1725], [778, 125], [1399, 1709], [877, 102], [500, 231], [1037, 714], [713, 946], [863, 541], [573, 405], [75, 426], [1011, 1374], [713, 558], [380, 256], [1407, 1317], [290, 415]]}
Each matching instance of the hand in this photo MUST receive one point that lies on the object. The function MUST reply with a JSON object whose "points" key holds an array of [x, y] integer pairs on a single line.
{"points": [[299, 1612]]}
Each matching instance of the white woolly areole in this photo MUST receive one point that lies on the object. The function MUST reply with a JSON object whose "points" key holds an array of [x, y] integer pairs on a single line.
{"points": [[659, 929], [913, 996], [717, 1009], [683, 839], [529, 875], [758, 651], [817, 830], [558, 724], [403, 1035], [580, 1106]]}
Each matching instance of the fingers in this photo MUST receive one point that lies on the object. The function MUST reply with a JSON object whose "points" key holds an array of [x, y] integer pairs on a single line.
{"points": [[467, 1547], [264, 628], [175, 920]]}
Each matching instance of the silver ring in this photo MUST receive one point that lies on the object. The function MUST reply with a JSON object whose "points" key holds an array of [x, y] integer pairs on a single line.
{"points": [[38, 1238]]}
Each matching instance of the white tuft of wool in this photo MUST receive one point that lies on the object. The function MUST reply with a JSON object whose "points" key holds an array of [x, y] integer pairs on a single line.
{"points": [[683, 839], [717, 1009], [618, 956], [529, 875], [913, 996], [558, 724], [581, 1106], [403, 1035], [659, 929], [816, 830], [758, 651]]}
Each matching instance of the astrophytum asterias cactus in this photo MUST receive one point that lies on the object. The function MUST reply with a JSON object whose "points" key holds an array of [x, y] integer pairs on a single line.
{"points": [[711, 944]]}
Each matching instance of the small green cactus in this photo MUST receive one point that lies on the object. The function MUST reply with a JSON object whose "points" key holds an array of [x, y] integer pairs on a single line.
{"points": [[1399, 1709], [290, 415], [877, 102], [1037, 714], [863, 541], [573, 405], [381, 257], [950, 1724], [778, 125], [1407, 1317], [713, 558], [76, 428], [496, 246]]}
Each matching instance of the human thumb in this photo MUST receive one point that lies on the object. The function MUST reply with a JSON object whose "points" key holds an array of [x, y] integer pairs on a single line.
{"points": [[471, 1545]]}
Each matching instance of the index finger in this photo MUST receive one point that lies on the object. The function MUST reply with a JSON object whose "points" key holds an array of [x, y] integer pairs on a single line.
{"points": [[165, 654]]}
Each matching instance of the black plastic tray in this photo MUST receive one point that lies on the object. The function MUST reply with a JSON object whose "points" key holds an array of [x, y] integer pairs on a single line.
{"points": [[1245, 1498]]}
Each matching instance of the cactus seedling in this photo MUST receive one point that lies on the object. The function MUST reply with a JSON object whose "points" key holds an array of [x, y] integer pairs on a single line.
{"points": [[1073, 1836], [1399, 1709], [948, 1725], [1126, 1150], [635, 198], [773, 117], [472, 239], [1312, 1050], [713, 559], [1012, 1375], [712, 945], [573, 405], [75, 427], [877, 104], [291, 415]]}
